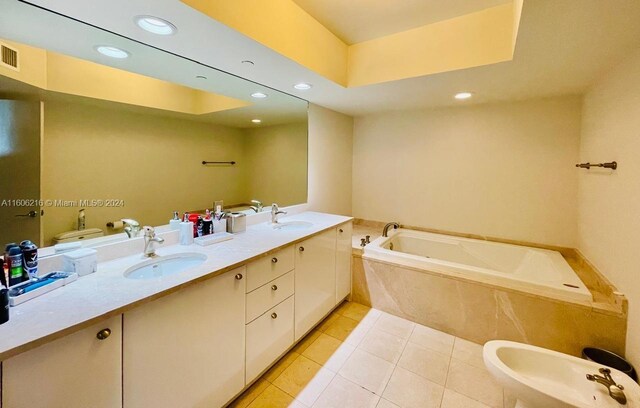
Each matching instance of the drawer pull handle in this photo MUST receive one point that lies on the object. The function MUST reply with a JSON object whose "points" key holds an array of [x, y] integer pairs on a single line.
{"points": [[274, 315], [239, 276], [301, 249], [103, 334], [274, 287], [341, 230], [274, 260]]}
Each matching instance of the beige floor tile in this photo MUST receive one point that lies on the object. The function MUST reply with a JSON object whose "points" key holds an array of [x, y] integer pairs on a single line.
{"points": [[432, 339], [410, 390], [452, 399], [395, 325], [343, 393], [304, 380], [341, 327], [468, 352], [367, 370], [383, 403], [328, 321], [359, 312], [425, 362], [322, 349], [383, 345], [250, 394], [272, 397], [277, 369], [339, 357], [306, 341], [475, 383]]}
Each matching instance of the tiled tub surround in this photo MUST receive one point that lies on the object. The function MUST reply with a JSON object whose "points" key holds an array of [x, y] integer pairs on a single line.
{"points": [[108, 293], [482, 311]]}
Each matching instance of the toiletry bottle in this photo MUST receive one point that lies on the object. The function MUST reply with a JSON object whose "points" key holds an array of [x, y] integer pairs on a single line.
{"points": [[4, 304], [15, 265], [174, 223], [3, 276], [199, 225], [186, 231], [194, 220], [29, 260], [207, 223]]}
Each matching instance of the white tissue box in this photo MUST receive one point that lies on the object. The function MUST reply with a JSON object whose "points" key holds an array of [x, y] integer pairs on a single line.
{"points": [[82, 261]]}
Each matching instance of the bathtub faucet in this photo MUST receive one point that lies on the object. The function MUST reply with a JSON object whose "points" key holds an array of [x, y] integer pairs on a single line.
{"points": [[385, 231]]}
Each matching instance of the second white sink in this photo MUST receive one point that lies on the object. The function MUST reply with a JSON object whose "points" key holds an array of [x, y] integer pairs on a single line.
{"points": [[164, 265]]}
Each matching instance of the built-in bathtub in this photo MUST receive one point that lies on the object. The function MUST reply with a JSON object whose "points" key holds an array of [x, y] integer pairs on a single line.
{"points": [[483, 290], [534, 270]]}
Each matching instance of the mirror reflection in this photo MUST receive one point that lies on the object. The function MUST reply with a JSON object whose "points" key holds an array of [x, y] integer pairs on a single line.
{"points": [[86, 143]]}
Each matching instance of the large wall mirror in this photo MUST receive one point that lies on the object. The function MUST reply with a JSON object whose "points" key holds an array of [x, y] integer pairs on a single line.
{"points": [[126, 137]]}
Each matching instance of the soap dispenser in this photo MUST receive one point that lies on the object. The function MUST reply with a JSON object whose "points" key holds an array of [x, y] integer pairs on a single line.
{"points": [[186, 231], [175, 222]]}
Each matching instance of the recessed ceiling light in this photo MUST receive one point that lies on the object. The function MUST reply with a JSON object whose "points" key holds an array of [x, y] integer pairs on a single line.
{"points": [[247, 62], [303, 86], [155, 25], [259, 95], [256, 120], [463, 95], [112, 52], [201, 77]]}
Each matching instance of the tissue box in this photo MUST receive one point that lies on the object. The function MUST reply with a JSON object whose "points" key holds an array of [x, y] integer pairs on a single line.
{"points": [[82, 261]]}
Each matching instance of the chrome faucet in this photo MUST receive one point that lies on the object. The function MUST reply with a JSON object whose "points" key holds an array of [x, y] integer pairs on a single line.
{"points": [[275, 211], [615, 390], [258, 206], [385, 231], [131, 227], [149, 239]]}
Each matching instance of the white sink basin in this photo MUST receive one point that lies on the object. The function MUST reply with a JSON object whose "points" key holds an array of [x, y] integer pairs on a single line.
{"points": [[164, 265], [541, 378], [292, 225]]}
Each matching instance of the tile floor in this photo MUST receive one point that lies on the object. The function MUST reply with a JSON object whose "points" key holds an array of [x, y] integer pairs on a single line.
{"points": [[362, 357]]}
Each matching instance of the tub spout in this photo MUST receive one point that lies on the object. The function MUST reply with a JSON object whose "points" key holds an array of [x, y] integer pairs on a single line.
{"points": [[385, 231]]}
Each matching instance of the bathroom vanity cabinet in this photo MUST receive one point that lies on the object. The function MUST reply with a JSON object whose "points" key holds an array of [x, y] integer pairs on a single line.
{"points": [[199, 346], [187, 349], [83, 369]]}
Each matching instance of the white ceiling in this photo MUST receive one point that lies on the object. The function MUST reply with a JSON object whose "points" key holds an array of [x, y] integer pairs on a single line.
{"points": [[563, 46], [354, 21]]}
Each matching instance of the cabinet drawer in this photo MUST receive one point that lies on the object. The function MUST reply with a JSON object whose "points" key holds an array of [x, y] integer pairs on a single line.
{"points": [[268, 337], [269, 295], [268, 268]]}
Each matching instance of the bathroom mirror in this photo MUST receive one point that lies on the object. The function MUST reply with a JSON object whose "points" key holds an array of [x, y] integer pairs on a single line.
{"points": [[127, 137]]}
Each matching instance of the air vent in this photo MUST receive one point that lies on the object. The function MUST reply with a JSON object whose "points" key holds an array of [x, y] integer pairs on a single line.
{"points": [[9, 57]]}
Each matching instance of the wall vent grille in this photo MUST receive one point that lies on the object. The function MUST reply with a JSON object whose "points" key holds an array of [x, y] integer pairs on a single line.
{"points": [[9, 57]]}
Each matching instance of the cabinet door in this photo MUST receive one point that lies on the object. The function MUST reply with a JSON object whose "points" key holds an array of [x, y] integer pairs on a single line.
{"points": [[343, 262], [315, 280], [187, 349], [76, 371]]}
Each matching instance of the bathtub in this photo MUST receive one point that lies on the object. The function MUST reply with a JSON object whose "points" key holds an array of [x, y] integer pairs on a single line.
{"points": [[538, 271]]}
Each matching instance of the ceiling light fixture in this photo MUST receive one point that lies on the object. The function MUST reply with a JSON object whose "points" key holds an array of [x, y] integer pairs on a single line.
{"points": [[463, 95], [247, 62], [201, 77], [259, 95], [303, 86], [112, 52], [256, 120], [155, 25]]}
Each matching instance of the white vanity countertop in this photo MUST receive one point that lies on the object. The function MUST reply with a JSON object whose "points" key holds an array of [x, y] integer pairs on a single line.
{"points": [[107, 292]]}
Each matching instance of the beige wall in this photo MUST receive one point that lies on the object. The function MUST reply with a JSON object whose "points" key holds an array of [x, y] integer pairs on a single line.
{"points": [[277, 159], [330, 160], [98, 153], [502, 170], [609, 201]]}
